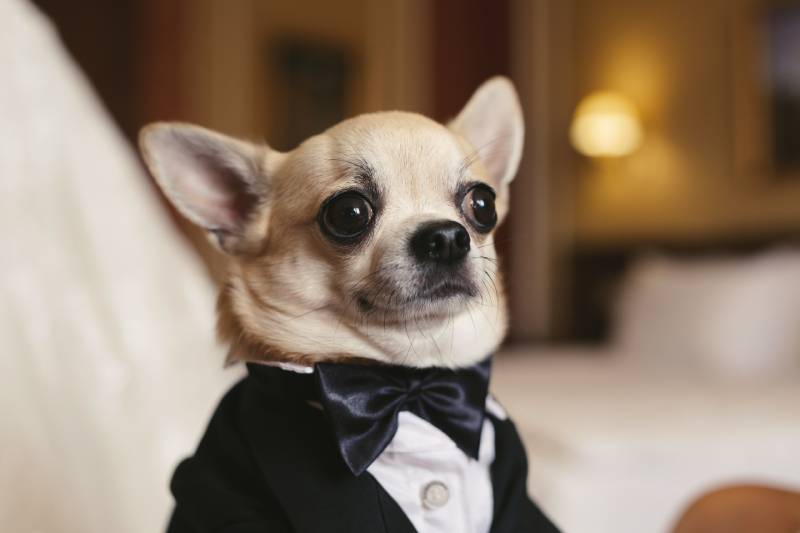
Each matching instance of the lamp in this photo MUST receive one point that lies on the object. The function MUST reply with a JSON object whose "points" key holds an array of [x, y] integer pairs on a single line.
{"points": [[606, 124]]}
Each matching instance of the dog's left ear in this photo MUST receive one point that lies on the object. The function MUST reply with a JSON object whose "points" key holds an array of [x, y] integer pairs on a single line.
{"points": [[492, 123]]}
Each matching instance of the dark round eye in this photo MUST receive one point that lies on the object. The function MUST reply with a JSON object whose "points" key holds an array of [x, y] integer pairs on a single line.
{"points": [[478, 207], [346, 216]]}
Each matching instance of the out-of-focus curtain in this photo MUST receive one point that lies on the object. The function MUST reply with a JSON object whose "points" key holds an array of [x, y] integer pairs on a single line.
{"points": [[108, 365]]}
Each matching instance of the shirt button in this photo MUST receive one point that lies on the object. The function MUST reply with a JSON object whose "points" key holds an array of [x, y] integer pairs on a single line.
{"points": [[434, 495]]}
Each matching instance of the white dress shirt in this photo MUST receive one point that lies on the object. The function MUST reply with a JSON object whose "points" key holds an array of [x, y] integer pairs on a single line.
{"points": [[439, 487]]}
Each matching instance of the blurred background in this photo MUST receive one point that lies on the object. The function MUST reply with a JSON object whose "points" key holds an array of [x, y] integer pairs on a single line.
{"points": [[651, 254], [714, 97]]}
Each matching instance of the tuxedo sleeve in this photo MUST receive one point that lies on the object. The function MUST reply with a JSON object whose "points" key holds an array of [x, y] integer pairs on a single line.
{"points": [[514, 511], [219, 489]]}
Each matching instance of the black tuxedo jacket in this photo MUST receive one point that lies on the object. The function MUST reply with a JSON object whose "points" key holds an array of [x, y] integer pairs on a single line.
{"points": [[268, 464]]}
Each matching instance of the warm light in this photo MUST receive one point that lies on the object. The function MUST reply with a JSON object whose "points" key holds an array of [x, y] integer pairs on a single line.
{"points": [[606, 125]]}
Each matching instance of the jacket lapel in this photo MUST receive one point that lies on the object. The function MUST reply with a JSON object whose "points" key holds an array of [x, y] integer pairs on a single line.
{"points": [[294, 448], [514, 512]]}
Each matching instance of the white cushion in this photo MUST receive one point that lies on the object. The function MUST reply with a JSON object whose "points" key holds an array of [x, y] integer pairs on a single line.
{"points": [[108, 364], [726, 317]]}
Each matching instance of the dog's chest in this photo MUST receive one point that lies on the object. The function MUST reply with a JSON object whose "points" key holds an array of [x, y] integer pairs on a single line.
{"points": [[438, 487]]}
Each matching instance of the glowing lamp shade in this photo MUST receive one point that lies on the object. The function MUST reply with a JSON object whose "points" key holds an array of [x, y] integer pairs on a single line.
{"points": [[606, 125]]}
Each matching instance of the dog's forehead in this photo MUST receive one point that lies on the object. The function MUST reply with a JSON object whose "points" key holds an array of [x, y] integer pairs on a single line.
{"points": [[401, 149], [413, 160]]}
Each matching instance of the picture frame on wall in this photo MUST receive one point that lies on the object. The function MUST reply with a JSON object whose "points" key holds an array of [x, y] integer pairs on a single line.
{"points": [[767, 91], [313, 82]]}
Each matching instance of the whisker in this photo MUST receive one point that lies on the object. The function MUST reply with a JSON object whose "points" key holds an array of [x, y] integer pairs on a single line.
{"points": [[486, 258], [496, 290]]}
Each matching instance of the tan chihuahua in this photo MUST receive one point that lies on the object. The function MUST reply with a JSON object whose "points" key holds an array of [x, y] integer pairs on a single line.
{"points": [[364, 295], [372, 240]]}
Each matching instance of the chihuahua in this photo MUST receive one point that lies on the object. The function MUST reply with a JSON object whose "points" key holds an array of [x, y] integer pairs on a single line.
{"points": [[368, 245]]}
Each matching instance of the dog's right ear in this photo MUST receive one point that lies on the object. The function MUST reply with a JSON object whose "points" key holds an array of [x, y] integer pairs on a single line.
{"points": [[215, 181]]}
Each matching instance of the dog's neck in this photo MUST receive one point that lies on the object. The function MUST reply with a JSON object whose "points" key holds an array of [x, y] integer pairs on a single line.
{"points": [[278, 332]]}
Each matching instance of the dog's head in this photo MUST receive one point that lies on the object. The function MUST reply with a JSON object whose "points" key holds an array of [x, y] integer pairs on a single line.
{"points": [[372, 240]]}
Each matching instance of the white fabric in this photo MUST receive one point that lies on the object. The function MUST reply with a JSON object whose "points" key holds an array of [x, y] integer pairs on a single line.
{"points": [[108, 365], [614, 447], [726, 317], [420, 454]]}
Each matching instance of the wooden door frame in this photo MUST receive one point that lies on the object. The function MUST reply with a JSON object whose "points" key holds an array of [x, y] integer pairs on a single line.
{"points": [[542, 225]]}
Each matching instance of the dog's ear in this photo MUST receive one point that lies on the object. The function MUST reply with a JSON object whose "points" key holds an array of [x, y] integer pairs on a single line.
{"points": [[217, 182], [492, 123]]}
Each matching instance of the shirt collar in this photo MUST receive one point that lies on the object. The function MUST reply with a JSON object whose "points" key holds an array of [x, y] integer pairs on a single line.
{"points": [[289, 367]]}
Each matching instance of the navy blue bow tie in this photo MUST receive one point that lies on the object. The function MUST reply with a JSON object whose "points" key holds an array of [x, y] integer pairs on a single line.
{"points": [[363, 402]]}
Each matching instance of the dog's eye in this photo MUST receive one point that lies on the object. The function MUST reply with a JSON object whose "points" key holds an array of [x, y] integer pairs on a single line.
{"points": [[478, 207], [346, 216]]}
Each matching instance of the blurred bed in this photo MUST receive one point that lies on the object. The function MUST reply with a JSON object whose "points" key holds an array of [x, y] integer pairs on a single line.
{"points": [[698, 388]]}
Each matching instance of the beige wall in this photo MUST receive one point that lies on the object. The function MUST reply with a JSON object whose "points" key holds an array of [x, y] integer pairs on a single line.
{"points": [[541, 220], [677, 60], [220, 65], [226, 84]]}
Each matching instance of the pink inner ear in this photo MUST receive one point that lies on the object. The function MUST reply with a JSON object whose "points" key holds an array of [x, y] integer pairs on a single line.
{"points": [[208, 185], [493, 135], [492, 123], [498, 162]]}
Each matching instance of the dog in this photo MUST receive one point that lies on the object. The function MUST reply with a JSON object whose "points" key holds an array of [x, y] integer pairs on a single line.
{"points": [[361, 263]]}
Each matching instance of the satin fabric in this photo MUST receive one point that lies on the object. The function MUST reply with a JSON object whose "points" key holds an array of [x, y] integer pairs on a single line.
{"points": [[362, 403]]}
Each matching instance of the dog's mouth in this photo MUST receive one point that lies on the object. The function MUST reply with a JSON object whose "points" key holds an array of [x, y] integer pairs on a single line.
{"points": [[426, 301], [446, 289]]}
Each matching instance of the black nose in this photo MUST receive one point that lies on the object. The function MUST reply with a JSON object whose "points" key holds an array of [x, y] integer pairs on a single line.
{"points": [[443, 242]]}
